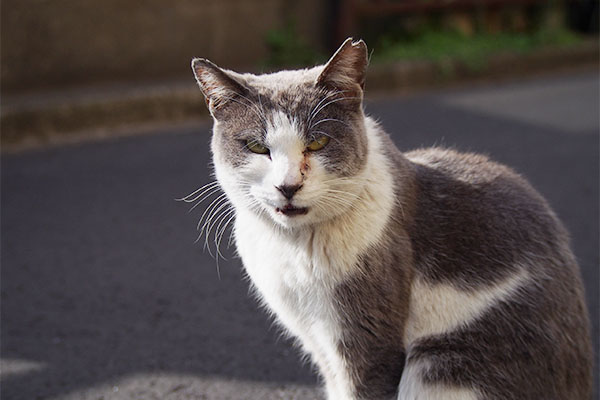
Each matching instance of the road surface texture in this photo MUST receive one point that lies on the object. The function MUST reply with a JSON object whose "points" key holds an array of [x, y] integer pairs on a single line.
{"points": [[105, 295]]}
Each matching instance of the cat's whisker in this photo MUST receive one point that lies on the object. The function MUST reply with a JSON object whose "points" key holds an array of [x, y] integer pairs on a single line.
{"points": [[214, 203], [332, 102], [226, 216], [207, 213], [322, 206], [207, 196], [218, 234], [213, 219], [338, 200], [320, 107], [218, 254], [204, 197], [341, 179], [339, 193], [223, 230], [256, 208], [347, 182], [328, 120], [207, 223], [316, 110], [253, 201], [226, 213], [340, 196], [192, 197], [329, 190]]}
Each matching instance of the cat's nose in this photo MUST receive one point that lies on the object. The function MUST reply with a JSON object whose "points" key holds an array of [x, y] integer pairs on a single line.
{"points": [[288, 191]]}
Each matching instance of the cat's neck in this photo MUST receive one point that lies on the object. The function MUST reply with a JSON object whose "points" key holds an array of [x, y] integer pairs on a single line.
{"points": [[341, 240], [333, 246]]}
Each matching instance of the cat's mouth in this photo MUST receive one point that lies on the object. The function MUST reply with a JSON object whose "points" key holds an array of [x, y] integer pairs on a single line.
{"points": [[291, 211]]}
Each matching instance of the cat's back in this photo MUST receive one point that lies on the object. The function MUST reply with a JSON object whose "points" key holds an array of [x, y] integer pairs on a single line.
{"points": [[495, 286], [483, 219]]}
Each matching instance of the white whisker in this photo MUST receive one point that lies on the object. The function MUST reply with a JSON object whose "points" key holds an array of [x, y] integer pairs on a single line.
{"points": [[210, 222], [329, 190], [198, 192], [333, 102], [328, 120], [318, 108], [224, 215], [214, 203], [206, 196], [222, 232], [337, 200]]}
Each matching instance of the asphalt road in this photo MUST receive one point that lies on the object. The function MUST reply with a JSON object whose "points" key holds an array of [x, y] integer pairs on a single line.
{"points": [[105, 295]]}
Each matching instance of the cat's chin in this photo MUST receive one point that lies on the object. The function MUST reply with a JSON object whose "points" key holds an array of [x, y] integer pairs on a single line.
{"points": [[290, 216]]}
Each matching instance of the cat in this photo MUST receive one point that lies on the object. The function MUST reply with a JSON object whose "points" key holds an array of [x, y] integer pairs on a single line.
{"points": [[425, 275]]}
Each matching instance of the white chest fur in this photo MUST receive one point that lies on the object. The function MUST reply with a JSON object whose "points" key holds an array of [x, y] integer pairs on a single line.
{"points": [[288, 273]]}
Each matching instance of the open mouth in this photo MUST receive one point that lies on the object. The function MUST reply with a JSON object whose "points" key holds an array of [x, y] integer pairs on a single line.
{"points": [[291, 211]]}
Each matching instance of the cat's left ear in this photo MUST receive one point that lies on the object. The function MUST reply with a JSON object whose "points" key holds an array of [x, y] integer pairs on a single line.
{"points": [[347, 69], [219, 87]]}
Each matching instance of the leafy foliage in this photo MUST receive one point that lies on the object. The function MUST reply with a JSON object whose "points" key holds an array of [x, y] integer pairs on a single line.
{"points": [[474, 50]]}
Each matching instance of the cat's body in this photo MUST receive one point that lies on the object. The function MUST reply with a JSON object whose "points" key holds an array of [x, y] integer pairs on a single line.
{"points": [[426, 275]]}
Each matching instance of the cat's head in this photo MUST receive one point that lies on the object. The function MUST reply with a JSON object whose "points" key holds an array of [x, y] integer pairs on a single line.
{"points": [[290, 146]]}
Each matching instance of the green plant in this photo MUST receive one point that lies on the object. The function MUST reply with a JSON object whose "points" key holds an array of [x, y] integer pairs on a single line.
{"points": [[473, 51]]}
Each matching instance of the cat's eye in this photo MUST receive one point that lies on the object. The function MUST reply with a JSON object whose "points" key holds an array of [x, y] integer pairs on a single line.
{"points": [[256, 147], [318, 143]]}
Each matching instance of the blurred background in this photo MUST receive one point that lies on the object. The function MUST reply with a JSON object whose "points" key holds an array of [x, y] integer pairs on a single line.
{"points": [[69, 66], [105, 295]]}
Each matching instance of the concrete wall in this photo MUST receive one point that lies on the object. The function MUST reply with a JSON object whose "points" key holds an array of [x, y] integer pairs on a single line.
{"points": [[58, 43]]}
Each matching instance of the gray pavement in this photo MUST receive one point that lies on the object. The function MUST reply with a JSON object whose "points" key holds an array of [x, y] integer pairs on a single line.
{"points": [[105, 295]]}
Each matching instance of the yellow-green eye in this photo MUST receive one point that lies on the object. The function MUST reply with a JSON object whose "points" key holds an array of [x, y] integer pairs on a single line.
{"points": [[256, 147], [318, 143]]}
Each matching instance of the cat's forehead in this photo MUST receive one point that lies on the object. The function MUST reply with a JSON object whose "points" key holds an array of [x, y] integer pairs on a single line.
{"points": [[294, 92], [284, 81]]}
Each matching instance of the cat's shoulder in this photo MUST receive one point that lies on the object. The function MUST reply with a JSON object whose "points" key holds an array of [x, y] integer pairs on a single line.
{"points": [[448, 169], [478, 186], [468, 168]]}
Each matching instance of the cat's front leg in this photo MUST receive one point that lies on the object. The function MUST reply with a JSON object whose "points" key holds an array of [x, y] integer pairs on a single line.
{"points": [[340, 385], [331, 387], [338, 388], [336, 384]]}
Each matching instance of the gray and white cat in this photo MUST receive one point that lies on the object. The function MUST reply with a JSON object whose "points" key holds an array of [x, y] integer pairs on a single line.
{"points": [[425, 275]]}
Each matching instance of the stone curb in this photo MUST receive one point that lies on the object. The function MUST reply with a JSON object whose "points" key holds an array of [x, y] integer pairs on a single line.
{"points": [[33, 120]]}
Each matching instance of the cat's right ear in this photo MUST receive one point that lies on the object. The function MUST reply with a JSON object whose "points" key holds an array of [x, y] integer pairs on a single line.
{"points": [[218, 87], [347, 69]]}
